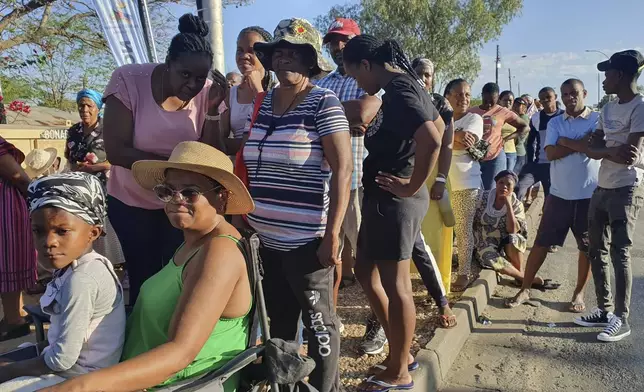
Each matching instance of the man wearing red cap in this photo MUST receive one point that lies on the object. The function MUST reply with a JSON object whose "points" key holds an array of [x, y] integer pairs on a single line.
{"points": [[360, 109]]}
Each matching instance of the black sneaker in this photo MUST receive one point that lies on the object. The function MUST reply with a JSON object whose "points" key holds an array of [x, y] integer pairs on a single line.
{"points": [[598, 318], [616, 331], [374, 339]]}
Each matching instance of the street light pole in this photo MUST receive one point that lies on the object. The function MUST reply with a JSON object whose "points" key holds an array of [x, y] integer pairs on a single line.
{"points": [[599, 98], [498, 63]]}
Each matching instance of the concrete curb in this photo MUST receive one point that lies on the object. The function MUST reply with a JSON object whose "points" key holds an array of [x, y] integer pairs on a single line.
{"points": [[442, 350]]}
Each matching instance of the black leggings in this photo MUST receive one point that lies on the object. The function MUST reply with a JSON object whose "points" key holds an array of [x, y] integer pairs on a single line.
{"points": [[147, 238]]}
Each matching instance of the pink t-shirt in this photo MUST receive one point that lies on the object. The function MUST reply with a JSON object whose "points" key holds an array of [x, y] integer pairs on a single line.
{"points": [[156, 130], [493, 121]]}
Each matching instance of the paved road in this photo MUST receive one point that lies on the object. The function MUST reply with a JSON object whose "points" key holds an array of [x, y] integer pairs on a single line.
{"points": [[521, 352]]}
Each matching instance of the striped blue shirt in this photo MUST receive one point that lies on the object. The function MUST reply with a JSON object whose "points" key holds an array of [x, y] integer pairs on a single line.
{"points": [[287, 171], [346, 88]]}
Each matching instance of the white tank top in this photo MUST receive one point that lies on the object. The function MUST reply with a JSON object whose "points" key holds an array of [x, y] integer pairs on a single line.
{"points": [[239, 113]]}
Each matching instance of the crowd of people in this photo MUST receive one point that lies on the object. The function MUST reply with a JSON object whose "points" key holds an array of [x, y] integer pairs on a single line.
{"points": [[330, 168]]}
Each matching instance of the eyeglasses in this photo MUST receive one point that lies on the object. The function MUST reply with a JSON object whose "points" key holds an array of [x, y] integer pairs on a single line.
{"points": [[186, 195]]}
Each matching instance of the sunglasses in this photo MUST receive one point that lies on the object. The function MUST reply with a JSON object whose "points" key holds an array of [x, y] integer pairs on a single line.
{"points": [[186, 196]]}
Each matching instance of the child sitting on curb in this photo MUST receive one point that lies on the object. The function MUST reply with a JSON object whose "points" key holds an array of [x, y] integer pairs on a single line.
{"points": [[84, 298]]}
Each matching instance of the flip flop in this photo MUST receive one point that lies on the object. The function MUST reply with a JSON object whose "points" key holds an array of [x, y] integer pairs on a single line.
{"points": [[385, 387], [410, 368], [548, 284], [445, 321], [577, 307]]}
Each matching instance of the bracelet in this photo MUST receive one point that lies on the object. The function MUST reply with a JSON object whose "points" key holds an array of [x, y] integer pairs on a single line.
{"points": [[213, 118], [440, 179]]}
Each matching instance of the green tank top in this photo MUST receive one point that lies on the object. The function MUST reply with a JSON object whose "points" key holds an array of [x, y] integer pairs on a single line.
{"points": [[148, 325]]}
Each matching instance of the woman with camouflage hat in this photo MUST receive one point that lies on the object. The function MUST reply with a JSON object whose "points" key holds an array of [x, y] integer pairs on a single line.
{"points": [[299, 136]]}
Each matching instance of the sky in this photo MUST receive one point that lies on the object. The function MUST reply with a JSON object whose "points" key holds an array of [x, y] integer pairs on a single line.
{"points": [[553, 35]]}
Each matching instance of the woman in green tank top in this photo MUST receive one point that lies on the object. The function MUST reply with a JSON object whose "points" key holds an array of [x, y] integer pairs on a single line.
{"points": [[193, 315]]}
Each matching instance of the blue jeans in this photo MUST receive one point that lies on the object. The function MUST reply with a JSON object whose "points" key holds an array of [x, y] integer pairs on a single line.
{"points": [[489, 170], [511, 160], [521, 161]]}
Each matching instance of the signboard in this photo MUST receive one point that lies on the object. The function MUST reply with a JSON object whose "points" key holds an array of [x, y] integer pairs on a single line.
{"points": [[56, 134], [123, 30]]}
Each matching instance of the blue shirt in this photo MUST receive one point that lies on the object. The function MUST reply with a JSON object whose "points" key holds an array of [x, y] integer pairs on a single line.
{"points": [[573, 177], [346, 88]]}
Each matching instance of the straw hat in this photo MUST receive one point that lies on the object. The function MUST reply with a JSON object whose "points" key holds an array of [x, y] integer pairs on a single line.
{"points": [[39, 161], [198, 158]]}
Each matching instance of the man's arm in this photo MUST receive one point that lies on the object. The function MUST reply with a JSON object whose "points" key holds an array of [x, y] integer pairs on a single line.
{"points": [[361, 111], [553, 148]]}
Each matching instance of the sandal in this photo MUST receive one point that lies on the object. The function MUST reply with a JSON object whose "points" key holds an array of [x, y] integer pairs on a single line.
{"points": [[14, 332], [577, 307], [548, 284], [448, 321], [375, 369], [384, 387]]}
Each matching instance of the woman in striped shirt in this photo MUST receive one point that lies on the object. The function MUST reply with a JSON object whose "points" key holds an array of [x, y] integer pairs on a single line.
{"points": [[299, 136]]}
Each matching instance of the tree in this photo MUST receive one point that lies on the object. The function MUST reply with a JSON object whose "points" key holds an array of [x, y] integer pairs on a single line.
{"points": [[449, 32]]}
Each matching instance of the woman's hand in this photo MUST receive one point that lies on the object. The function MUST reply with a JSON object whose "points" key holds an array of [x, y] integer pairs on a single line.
{"points": [[218, 92], [253, 80], [396, 185], [329, 250], [467, 139], [437, 191]]}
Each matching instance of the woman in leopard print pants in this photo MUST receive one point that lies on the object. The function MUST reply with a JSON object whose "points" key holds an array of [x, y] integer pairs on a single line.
{"points": [[465, 175]]}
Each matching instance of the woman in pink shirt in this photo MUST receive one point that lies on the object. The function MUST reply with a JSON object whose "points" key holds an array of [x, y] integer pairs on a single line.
{"points": [[494, 118], [150, 108]]}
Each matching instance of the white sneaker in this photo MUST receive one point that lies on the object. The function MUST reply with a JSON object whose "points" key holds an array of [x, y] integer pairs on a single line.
{"points": [[616, 331]]}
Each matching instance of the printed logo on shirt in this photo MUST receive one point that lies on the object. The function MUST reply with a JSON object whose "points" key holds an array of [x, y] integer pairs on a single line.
{"points": [[375, 124]]}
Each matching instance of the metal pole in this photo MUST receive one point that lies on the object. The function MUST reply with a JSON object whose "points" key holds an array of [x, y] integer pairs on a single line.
{"points": [[213, 15], [498, 63], [144, 15], [519, 87], [599, 96], [510, 78]]}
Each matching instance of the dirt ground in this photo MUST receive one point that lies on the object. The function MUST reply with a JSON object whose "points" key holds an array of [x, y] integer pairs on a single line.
{"points": [[353, 310]]}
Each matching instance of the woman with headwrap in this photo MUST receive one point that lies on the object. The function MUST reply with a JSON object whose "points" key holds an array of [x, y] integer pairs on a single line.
{"points": [[85, 299], [17, 255], [500, 230], [85, 152], [85, 149]]}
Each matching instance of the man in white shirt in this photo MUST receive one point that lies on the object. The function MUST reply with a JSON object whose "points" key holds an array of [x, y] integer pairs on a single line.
{"points": [[573, 177], [616, 203]]}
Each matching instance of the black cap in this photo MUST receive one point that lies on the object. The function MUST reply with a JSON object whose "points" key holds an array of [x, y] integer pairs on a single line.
{"points": [[628, 61]]}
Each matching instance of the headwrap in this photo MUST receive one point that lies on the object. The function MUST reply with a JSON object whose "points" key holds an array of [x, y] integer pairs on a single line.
{"points": [[91, 94], [80, 194], [507, 173]]}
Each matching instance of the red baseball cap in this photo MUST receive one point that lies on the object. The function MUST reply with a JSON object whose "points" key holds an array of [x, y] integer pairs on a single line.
{"points": [[342, 26]]}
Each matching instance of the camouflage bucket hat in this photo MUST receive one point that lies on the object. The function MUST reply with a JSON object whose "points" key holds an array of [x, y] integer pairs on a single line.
{"points": [[294, 31]]}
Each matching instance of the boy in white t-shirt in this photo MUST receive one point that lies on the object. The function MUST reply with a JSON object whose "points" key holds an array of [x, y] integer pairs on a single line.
{"points": [[616, 203]]}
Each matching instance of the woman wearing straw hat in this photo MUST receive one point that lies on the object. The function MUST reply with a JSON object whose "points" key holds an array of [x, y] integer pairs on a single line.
{"points": [[299, 137], [17, 254], [168, 326]]}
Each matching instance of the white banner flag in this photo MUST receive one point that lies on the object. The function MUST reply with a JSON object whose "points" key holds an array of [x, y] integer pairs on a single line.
{"points": [[123, 30]]}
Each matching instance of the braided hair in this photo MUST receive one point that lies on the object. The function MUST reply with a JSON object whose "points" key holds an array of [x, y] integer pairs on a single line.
{"points": [[367, 47], [452, 85], [192, 38], [268, 81]]}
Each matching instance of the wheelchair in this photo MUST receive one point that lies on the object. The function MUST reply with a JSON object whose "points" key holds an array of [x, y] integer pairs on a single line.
{"points": [[213, 380]]}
